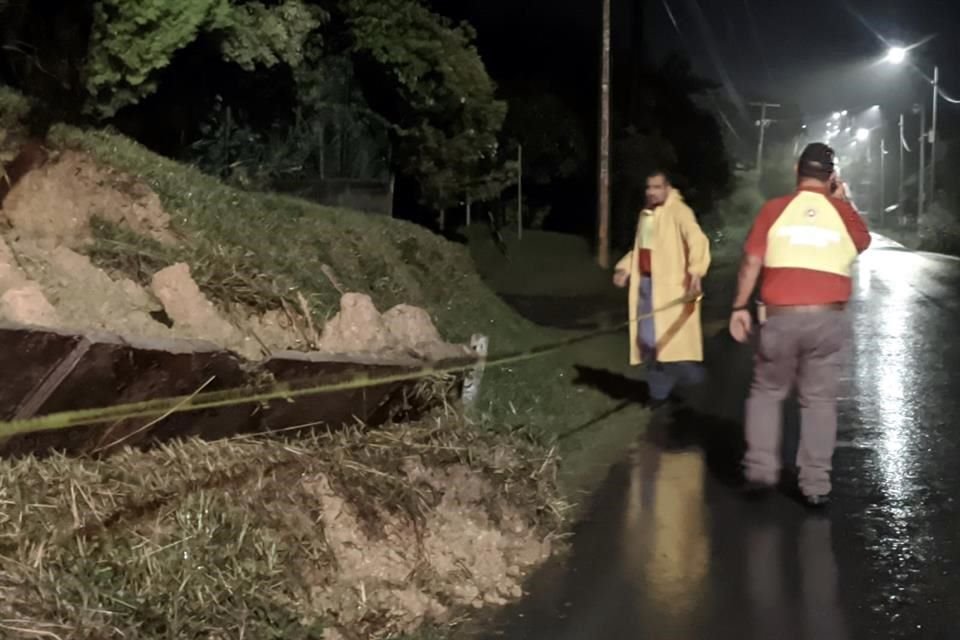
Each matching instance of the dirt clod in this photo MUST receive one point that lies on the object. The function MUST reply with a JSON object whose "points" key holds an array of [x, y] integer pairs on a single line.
{"points": [[413, 327], [84, 296], [193, 315], [27, 305], [403, 330], [58, 200], [357, 328]]}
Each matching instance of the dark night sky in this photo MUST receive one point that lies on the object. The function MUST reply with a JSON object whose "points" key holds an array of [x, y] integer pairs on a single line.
{"points": [[816, 53], [812, 53]]}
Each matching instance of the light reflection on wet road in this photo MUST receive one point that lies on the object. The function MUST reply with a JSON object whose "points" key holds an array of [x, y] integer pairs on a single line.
{"points": [[669, 550]]}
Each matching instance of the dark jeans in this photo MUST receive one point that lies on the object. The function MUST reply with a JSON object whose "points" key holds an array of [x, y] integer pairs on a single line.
{"points": [[662, 377]]}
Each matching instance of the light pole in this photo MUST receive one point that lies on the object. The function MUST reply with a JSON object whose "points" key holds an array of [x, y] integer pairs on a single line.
{"points": [[897, 56], [903, 144], [933, 134], [921, 179], [883, 181]]}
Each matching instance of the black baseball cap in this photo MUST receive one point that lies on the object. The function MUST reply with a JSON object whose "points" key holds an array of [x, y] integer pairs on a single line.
{"points": [[818, 160]]}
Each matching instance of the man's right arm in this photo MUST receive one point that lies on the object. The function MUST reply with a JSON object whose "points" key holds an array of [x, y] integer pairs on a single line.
{"points": [[621, 272], [750, 268], [855, 225], [625, 263], [754, 250]]}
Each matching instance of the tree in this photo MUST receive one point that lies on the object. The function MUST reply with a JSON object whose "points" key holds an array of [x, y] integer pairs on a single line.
{"points": [[424, 75], [667, 128], [554, 145], [418, 77], [132, 40]]}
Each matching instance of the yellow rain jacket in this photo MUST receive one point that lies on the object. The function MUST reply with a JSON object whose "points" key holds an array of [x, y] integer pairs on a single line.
{"points": [[679, 248]]}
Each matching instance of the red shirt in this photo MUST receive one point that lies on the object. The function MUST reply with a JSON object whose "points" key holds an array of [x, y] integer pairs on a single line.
{"points": [[803, 286], [644, 262]]}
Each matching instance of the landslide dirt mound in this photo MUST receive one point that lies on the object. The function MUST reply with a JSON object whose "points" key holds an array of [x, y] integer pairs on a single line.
{"points": [[360, 535], [51, 282], [55, 203]]}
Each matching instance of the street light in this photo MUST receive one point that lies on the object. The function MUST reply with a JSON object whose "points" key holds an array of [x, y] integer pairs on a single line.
{"points": [[863, 134], [897, 55], [921, 181]]}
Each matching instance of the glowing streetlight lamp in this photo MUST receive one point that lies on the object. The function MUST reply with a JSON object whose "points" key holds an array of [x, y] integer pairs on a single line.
{"points": [[863, 134], [897, 55]]}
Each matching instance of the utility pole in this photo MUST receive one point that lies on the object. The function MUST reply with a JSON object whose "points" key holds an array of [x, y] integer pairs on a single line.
{"points": [[883, 181], [763, 123], [922, 177], [603, 188], [933, 134], [903, 145], [519, 192]]}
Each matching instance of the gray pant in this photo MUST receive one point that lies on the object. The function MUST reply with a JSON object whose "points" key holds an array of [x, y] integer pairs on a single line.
{"points": [[805, 349]]}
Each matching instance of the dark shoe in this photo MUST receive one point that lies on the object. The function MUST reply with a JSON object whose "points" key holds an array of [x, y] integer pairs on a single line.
{"points": [[657, 404], [671, 403], [756, 490], [816, 502]]}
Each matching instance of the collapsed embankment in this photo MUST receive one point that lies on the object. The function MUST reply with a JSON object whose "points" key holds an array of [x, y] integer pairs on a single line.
{"points": [[348, 533]]}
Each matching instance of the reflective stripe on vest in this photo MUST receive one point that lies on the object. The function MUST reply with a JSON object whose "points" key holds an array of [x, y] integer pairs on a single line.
{"points": [[810, 234]]}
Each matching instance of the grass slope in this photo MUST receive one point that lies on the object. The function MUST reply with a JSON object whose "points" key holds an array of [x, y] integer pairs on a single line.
{"points": [[259, 248]]}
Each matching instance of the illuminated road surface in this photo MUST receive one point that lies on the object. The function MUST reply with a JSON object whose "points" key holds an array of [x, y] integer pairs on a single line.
{"points": [[670, 551]]}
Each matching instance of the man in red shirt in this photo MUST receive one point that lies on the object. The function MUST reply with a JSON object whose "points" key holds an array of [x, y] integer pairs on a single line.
{"points": [[804, 244]]}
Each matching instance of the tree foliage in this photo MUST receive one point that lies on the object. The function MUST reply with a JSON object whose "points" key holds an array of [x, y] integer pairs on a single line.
{"points": [[424, 75], [256, 34], [667, 127], [418, 76], [554, 146], [133, 40]]}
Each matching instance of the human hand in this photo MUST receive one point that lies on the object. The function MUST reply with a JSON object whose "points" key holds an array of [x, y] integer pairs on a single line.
{"points": [[694, 286], [842, 192], [620, 278], [741, 325]]}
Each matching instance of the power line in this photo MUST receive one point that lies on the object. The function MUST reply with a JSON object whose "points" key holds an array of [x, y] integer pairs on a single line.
{"points": [[712, 50], [755, 31], [713, 99]]}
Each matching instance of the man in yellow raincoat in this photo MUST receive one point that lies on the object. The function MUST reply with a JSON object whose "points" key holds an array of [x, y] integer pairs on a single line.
{"points": [[670, 257]]}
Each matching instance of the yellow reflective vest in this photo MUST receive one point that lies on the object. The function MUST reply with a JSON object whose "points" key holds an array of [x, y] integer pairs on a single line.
{"points": [[810, 234]]}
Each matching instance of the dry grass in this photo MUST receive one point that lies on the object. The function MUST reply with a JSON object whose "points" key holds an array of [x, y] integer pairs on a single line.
{"points": [[222, 540]]}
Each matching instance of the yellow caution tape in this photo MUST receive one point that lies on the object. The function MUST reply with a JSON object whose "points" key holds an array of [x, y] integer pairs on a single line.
{"points": [[165, 407]]}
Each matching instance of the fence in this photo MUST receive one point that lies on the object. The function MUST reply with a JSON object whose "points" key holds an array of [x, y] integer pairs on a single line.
{"points": [[372, 196]]}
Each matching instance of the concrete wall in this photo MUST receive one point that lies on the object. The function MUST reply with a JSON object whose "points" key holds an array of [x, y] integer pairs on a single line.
{"points": [[44, 372]]}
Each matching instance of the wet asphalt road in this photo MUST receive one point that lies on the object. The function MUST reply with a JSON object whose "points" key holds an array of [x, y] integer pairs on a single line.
{"points": [[669, 550]]}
